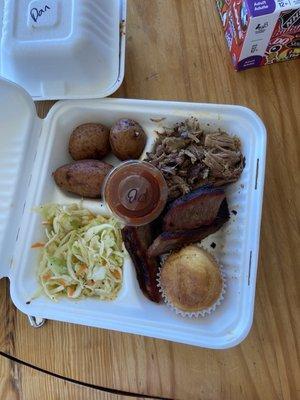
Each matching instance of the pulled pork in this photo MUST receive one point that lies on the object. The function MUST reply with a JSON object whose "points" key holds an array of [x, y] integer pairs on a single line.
{"points": [[190, 158]]}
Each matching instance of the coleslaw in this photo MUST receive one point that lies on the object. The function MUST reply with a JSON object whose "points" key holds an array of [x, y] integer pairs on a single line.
{"points": [[83, 255]]}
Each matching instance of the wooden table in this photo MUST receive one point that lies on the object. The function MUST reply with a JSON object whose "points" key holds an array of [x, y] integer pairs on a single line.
{"points": [[176, 51]]}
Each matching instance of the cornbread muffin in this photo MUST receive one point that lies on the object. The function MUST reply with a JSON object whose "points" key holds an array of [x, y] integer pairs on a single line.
{"points": [[191, 280]]}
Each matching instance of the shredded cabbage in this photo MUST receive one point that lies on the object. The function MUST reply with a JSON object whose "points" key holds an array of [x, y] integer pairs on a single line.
{"points": [[83, 255]]}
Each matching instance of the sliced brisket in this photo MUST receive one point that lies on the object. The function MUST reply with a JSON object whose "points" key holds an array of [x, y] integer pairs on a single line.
{"points": [[167, 241], [193, 210]]}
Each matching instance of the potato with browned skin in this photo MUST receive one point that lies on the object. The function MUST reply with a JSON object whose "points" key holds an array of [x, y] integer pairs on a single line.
{"points": [[89, 141], [127, 139], [84, 178]]}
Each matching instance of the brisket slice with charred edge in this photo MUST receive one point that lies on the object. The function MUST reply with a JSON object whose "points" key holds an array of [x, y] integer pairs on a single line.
{"points": [[167, 241], [193, 210], [137, 239]]}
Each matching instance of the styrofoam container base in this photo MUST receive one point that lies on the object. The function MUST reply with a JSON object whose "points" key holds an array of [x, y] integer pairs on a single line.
{"points": [[237, 243]]}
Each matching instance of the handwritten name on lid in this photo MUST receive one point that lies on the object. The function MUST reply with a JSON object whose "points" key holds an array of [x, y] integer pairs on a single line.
{"points": [[42, 13]]}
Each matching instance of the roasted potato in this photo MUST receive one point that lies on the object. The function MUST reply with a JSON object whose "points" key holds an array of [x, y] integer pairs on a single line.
{"points": [[127, 139], [89, 141], [84, 178]]}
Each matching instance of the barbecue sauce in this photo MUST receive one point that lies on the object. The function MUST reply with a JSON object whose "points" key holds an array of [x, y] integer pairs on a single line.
{"points": [[136, 192]]}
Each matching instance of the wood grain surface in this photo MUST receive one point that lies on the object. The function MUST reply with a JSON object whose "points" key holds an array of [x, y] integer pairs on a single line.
{"points": [[19, 382], [176, 51]]}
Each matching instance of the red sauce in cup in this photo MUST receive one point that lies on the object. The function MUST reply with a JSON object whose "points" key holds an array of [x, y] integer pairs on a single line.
{"points": [[135, 192]]}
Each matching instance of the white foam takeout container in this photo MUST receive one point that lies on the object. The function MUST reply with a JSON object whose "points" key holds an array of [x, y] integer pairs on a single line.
{"points": [[31, 149], [75, 50], [63, 49]]}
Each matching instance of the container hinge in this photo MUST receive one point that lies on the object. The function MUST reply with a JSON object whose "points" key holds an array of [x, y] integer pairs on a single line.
{"points": [[36, 322]]}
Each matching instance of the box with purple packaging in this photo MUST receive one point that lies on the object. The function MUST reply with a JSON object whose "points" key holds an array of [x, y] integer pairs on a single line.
{"points": [[261, 32]]}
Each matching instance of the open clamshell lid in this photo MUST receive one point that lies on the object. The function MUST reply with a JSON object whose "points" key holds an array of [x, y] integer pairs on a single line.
{"points": [[20, 128], [59, 49]]}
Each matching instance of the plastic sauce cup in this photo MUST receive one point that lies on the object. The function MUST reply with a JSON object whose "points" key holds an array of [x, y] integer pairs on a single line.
{"points": [[135, 192]]}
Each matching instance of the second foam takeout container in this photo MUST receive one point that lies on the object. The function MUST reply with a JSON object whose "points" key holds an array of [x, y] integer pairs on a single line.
{"points": [[31, 149], [62, 49]]}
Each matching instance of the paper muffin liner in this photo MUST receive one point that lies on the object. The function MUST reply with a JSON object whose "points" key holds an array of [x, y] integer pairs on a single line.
{"points": [[193, 314]]}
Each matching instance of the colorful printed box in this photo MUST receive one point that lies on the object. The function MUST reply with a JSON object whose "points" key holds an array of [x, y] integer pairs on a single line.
{"points": [[261, 32]]}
